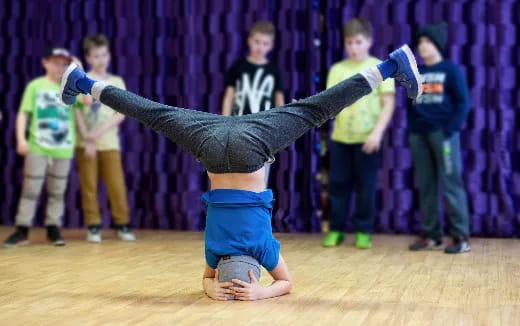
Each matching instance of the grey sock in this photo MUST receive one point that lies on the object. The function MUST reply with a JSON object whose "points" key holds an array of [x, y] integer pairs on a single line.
{"points": [[97, 88], [372, 77]]}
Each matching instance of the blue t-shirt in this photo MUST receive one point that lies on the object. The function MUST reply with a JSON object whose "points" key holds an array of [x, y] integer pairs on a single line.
{"points": [[238, 223], [445, 102]]}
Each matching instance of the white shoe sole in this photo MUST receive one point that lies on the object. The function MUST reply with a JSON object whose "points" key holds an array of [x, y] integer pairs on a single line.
{"points": [[93, 240], [417, 75], [19, 244], [126, 237], [64, 80]]}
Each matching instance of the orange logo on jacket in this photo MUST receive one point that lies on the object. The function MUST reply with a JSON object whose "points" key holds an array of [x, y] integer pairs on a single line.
{"points": [[433, 88]]}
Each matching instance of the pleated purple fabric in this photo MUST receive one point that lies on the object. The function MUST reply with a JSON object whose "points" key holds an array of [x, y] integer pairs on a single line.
{"points": [[176, 52]]}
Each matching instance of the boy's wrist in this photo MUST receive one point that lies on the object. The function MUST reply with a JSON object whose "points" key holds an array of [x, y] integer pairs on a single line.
{"points": [[93, 134], [209, 287], [263, 292], [376, 133], [206, 285]]}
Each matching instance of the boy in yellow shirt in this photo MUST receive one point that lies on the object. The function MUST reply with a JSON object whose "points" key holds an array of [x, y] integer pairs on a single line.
{"points": [[356, 140], [98, 150]]}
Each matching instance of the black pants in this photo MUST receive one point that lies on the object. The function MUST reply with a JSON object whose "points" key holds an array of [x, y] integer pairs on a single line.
{"points": [[352, 171]]}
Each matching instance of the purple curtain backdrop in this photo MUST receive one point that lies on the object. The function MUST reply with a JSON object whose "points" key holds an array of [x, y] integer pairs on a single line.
{"points": [[176, 52], [482, 38], [173, 52]]}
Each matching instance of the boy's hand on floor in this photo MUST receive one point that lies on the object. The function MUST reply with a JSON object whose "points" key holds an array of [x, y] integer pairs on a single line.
{"points": [[248, 292], [221, 290], [373, 143], [22, 148]]}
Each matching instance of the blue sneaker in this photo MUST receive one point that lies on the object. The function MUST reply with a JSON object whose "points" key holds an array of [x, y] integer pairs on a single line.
{"points": [[407, 73], [68, 90]]}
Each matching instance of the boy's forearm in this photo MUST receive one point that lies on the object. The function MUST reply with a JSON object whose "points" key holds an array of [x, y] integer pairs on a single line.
{"points": [[386, 113], [276, 289], [459, 117], [208, 285], [81, 124], [226, 106], [21, 127], [227, 101], [279, 99], [461, 101]]}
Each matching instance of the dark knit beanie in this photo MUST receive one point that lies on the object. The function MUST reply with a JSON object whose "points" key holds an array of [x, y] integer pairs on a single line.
{"points": [[437, 33]]}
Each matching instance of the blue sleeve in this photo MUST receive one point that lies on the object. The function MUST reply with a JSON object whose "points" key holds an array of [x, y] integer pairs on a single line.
{"points": [[270, 255], [459, 91], [211, 258]]}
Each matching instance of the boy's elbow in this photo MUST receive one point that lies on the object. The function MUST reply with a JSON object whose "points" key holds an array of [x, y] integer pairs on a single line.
{"points": [[288, 285]]}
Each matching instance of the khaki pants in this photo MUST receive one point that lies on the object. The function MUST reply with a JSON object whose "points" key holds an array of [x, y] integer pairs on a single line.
{"points": [[107, 165], [37, 169]]}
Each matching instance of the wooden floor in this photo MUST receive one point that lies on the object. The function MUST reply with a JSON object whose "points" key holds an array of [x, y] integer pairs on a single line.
{"points": [[157, 281]]}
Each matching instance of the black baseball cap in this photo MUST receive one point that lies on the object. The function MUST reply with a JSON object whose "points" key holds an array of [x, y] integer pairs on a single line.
{"points": [[57, 51]]}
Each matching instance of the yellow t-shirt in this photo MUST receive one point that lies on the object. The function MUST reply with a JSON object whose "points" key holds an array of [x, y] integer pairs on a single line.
{"points": [[97, 115], [354, 124]]}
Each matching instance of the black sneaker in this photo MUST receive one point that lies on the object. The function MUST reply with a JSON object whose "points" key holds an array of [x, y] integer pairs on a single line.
{"points": [[459, 246], [18, 238], [426, 244], [54, 236]]}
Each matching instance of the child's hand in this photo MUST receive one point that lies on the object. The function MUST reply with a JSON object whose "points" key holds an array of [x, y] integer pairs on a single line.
{"points": [[22, 148], [86, 100], [93, 135], [248, 292], [90, 149], [220, 291], [77, 62], [373, 143]]}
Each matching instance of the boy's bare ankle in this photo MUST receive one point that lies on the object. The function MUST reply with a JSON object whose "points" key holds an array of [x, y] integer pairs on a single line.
{"points": [[378, 73]]}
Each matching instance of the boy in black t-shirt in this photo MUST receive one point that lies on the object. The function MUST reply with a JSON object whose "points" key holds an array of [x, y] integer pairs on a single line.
{"points": [[253, 84]]}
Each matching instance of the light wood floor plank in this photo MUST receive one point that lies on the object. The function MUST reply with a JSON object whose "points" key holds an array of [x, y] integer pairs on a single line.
{"points": [[157, 281]]}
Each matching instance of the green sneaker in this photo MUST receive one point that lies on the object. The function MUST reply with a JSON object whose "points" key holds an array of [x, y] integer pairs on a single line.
{"points": [[363, 240], [333, 238]]}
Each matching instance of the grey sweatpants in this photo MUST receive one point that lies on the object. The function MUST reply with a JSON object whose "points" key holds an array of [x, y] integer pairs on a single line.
{"points": [[438, 165], [37, 170], [238, 144]]}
